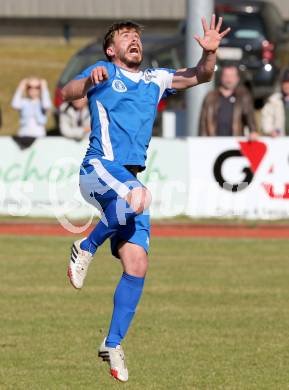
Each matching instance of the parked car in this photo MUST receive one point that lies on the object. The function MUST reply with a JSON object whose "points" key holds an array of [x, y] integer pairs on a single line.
{"points": [[258, 42]]}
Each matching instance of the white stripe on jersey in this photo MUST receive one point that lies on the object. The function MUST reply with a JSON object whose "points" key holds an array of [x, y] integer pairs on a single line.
{"points": [[105, 138], [120, 188], [163, 79]]}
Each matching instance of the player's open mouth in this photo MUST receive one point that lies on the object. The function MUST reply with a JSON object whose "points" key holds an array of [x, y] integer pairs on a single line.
{"points": [[134, 50]]}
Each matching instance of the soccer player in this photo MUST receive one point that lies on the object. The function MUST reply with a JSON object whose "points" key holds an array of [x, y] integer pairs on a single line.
{"points": [[123, 103]]}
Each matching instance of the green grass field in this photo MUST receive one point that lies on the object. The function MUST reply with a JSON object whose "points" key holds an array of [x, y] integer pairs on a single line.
{"points": [[214, 315]]}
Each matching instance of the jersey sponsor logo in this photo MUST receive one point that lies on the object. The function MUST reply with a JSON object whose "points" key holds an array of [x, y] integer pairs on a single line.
{"points": [[119, 86]]}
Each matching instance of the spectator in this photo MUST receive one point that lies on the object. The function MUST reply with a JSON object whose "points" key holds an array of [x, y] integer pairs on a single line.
{"points": [[275, 113], [74, 119], [32, 100], [229, 109]]}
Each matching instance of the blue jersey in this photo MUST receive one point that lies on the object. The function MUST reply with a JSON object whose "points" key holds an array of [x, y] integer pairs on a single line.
{"points": [[123, 109]]}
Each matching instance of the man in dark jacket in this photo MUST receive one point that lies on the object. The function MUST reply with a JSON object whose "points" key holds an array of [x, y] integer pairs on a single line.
{"points": [[229, 109]]}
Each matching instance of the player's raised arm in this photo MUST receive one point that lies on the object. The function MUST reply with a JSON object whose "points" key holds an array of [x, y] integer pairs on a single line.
{"points": [[77, 89], [203, 72]]}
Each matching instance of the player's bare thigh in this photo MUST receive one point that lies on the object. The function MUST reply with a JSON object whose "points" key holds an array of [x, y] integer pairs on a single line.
{"points": [[134, 259]]}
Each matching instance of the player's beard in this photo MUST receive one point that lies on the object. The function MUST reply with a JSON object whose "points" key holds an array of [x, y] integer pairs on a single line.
{"points": [[130, 62]]}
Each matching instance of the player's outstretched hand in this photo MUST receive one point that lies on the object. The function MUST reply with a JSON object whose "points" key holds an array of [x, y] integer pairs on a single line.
{"points": [[212, 36], [98, 75]]}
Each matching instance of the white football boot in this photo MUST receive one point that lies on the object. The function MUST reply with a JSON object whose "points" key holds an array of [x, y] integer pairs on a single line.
{"points": [[78, 264], [116, 360]]}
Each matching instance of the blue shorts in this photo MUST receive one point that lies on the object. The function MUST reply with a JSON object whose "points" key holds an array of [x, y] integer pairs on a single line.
{"points": [[102, 181]]}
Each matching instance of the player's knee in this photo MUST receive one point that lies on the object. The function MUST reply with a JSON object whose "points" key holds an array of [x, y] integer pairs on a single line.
{"points": [[139, 199], [134, 259], [138, 267]]}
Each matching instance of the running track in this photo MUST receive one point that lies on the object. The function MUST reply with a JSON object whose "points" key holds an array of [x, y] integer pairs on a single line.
{"points": [[158, 230]]}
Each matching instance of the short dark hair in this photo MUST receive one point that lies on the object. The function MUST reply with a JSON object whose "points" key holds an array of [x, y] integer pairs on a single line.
{"points": [[229, 65], [109, 36]]}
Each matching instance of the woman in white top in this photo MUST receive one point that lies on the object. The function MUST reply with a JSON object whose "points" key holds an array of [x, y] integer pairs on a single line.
{"points": [[32, 100], [275, 113]]}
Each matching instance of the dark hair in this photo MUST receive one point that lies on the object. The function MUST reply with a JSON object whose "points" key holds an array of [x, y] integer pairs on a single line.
{"points": [[109, 36], [228, 65]]}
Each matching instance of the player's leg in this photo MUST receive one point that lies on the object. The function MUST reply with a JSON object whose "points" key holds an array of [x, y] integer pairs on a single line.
{"points": [[126, 196], [126, 298], [134, 258], [119, 212], [119, 196], [128, 292]]}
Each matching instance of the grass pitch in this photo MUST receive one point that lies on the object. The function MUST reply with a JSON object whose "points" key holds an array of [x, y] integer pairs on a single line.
{"points": [[214, 315]]}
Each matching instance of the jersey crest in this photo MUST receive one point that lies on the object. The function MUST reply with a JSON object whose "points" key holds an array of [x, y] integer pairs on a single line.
{"points": [[119, 86], [148, 75]]}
